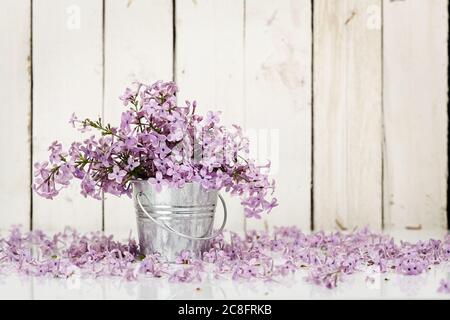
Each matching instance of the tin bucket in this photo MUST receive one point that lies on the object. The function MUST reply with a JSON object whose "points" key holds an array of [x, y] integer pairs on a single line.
{"points": [[175, 219]]}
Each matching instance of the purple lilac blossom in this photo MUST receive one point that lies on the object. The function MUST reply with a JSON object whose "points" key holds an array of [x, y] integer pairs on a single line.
{"points": [[325, 259], [162, 142], [444, 286]]}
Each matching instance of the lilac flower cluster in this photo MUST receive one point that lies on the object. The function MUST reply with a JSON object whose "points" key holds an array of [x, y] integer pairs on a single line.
{"points": [[444, 286], [162, 142], [327, 258]]}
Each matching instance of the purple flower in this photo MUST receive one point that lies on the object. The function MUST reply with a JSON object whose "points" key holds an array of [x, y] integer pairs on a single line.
{"points": [[55, 149], [158, 181], [176, 134], [270, 205], [210, 256], [184, 257], [128, 96], [446, 251], [41, 169], [64, 175], [411, 266], [287, 268], [349, 264], [444, 286], [251, 212], [187, 274], [172, 168], [73, 119], [126, 121], [131, 142], [45, 187], [158, 138], [277, 245], [327, 258], [131, 164], [245, 271], [212, 118], [88, 187], [163, 150], [117, 174]]}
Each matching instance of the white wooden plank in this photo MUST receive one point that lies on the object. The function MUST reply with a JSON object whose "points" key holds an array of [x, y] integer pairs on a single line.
{"points": [[347, 114], [67, 69], [209, 67], [278, 100], [415, 113], [138, 46], [15, 112]]}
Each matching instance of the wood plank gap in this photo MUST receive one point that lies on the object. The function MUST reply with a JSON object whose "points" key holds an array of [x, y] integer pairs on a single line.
{"points": [[312, 121], [103, 92], [174, 40], [448, 131], [383, 131], [244, 76], [30, 120]]}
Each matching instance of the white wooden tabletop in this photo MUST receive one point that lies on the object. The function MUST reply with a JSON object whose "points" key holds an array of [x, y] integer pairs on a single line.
{"points": [[356, 286]]}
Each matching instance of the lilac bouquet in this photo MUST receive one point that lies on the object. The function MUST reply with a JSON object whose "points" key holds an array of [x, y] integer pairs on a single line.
{"points": [[162, 142]]}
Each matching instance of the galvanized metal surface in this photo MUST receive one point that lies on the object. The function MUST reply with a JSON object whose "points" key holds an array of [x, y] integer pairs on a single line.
{"points": [[175, 219]]}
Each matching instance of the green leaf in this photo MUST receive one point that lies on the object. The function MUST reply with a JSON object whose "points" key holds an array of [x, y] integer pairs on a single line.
{"points": [[140, 257]]}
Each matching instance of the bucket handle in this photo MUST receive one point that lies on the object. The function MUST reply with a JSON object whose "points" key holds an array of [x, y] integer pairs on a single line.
{"points": [[170, 229]]}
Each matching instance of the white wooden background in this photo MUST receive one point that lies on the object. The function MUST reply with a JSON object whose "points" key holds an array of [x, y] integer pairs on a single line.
{"points": [[347, 97]]}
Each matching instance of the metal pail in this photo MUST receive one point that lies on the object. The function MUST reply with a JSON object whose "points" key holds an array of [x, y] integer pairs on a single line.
{"points": [[175, 219]]}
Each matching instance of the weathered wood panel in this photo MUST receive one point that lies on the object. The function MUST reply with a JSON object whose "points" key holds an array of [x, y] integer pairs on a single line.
{"points": [[377, 130], [67, 74], [347, 114], [278, 101], [15, 112], [415, 113]]}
